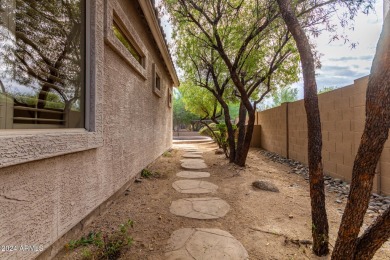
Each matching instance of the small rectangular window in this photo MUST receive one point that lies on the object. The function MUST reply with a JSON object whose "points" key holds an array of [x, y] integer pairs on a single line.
{"points": [[42, 64], [158, 82], [126, 42]]}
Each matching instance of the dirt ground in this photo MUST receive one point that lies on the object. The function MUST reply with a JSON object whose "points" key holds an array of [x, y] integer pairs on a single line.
{"points": [[255, 219]]}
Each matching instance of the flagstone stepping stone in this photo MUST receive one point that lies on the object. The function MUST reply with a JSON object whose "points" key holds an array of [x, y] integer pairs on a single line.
{"points": [[192, 160], [194, 186], [200, 208], [192, 155], [193, 165], [193, 175], [193, 151], [201, 243]]}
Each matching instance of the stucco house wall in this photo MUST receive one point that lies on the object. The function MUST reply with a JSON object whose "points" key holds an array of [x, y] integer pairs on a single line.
{"points": [[43, 199]]}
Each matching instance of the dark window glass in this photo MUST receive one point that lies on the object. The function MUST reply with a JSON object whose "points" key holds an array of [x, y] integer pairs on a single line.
{"points": [[126, 42], [42, 77], [158, 82]]}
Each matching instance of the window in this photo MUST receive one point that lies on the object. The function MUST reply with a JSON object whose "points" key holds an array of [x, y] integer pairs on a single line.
{"points": [[170, 97], [126, 42], [42, 64], [157, 84], [122, 37]]}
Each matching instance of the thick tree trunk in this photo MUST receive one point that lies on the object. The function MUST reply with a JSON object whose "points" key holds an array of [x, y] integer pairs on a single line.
{"points": [[231, 134], [376, 131], [320, 227], [229, 125], [245, 135], [241, 131], [245, 146], [374, 237]]}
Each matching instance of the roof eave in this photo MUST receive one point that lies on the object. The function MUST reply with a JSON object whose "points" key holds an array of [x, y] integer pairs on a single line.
{"points": [[149, 12]]}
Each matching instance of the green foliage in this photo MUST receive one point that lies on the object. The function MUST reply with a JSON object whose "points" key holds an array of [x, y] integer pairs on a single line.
{"points": [[199, 101], [167, 154], [104, 246], [123, 39], [208, 131], [326, 89], [218, 132], [181, 116], [91, 239], [86, 254], [284, 95], [145, 173]]}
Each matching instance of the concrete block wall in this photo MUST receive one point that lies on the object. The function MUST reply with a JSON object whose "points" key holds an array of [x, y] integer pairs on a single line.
{"points": [[342, 113], [273, 135]]}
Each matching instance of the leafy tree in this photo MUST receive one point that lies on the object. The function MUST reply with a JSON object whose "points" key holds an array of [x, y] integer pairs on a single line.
{"points": [[378, 117], [326, 89], [237, 45], [181, 116], [349, 244], [320, 228], [284, 95]]}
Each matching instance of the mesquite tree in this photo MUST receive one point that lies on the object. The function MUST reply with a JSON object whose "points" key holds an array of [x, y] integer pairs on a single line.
{"points": [[349, 245], [255, 50], [320, 228]]}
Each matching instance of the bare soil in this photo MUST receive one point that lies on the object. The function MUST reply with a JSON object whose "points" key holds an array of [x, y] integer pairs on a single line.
{"points": [[260, 220]]}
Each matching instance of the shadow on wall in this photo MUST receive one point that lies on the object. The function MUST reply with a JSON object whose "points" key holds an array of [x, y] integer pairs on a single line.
{"points": [[283, 130]]}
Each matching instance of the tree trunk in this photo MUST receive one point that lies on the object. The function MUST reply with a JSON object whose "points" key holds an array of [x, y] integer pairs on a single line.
{"points": [[245, 146], [241, 130], [374, 237], [376, 131], [231, 134], [320, 227]]}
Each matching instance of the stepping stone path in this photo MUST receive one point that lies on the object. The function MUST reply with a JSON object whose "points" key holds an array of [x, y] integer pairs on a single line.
{"points": [[194, 186], [200, 243], [186, 160], [193, 175], [194, 165], [192, 155], [200, 208]]}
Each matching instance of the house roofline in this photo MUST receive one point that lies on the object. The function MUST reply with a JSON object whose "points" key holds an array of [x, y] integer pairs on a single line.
{"points": [[154, 24]]}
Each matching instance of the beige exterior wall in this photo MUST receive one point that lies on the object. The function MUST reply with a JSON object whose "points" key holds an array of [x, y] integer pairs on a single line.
{"points": [[42, 200], [342, 113], [273, 135]]}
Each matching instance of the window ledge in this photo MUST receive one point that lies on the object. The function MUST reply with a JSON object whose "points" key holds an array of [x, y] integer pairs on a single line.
{"points": [[26, 146]]}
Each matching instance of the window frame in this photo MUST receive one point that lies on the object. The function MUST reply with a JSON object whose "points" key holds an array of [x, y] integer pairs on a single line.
{"points": [[26, 145], [115, 14]]}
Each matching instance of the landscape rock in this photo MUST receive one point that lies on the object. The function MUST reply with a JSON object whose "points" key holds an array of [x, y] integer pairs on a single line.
{"points": [[263, 185], [378, 202], [219, 151]]}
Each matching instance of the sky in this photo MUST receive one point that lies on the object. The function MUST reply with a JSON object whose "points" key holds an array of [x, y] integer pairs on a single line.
{"points": [[341, 64]]}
